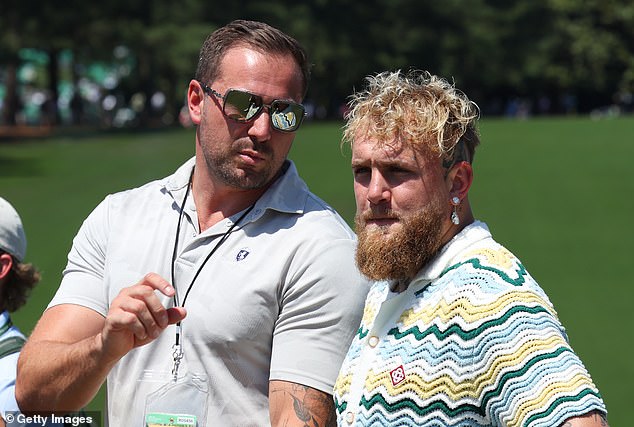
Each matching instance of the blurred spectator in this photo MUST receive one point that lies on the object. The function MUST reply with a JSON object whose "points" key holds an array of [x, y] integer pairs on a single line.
{"points": [[16, 281]]}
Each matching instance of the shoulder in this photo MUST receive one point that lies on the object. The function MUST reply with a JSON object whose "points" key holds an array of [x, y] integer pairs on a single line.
{"points": [[293, 200], [308, 223], [320, 214], [134, 197], [152, 192], [492, 268], [144, 199], [488, 286]]}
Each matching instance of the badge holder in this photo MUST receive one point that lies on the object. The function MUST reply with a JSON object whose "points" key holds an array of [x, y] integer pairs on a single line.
{"points": [[181, 402]]}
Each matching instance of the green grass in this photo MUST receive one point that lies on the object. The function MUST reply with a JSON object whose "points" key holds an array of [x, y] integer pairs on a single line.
{"points": [[557, 192]]}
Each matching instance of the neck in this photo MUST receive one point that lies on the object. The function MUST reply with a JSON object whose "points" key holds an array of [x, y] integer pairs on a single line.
{"points": [[466, 217], [401, 285], [215, 201]]}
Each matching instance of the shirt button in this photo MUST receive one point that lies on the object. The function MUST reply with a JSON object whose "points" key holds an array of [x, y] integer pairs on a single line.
{"points": [[349, 417], [373, 341]]}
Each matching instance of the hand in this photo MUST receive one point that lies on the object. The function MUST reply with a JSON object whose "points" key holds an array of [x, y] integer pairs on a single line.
{"points": [[137, 316]]}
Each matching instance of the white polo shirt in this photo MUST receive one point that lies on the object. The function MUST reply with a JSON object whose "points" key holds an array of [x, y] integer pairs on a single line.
{"points": [[280, 299]]}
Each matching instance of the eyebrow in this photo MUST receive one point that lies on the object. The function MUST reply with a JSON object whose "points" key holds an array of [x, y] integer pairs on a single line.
{"points": [[383, 163]]}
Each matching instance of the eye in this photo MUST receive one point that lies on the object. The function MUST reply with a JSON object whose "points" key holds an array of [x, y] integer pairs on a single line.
{"points": [[400, 171], [281, 107], [360, 170]]}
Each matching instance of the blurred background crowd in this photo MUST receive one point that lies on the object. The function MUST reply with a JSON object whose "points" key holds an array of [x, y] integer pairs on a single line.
{"points": [[127, 63]]}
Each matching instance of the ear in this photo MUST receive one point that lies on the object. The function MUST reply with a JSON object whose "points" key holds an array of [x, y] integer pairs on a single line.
{"points": [[195, 101], [459, 180], [6, 262]]}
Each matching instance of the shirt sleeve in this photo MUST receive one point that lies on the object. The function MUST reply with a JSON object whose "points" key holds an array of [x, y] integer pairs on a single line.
{"points": [[82, 281], [539, 380], [320, 311]]}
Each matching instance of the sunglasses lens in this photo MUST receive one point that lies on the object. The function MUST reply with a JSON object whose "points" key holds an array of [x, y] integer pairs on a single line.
{"points": [[286, 116], [241, 106]]}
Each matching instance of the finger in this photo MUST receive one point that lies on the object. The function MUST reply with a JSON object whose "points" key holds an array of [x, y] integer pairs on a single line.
{"points": [[122, 320], [176, 314], [145, 290], [155, 281], [139, 310], [155, 308]]}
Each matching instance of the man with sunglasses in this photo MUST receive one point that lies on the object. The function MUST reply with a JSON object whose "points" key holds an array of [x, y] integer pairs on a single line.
{"points": [[245, 292]]}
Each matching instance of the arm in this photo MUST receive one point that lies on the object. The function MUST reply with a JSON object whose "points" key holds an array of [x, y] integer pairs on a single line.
{"points": [[72, 348], [60, 353], [292, 404], [592, 419]]}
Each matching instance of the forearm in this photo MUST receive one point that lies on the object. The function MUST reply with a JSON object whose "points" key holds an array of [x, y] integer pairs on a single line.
{"points": [[294, 404], [57, 376]]}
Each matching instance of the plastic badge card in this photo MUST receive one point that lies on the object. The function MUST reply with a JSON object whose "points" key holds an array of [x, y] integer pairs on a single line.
{"points": [[157, 419]]}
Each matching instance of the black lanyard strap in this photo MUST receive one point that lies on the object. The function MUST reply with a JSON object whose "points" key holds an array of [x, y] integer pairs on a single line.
{"points": [[224, 237]]}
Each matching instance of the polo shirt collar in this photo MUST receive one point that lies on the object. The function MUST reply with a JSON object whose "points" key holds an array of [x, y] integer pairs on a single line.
{"points": [[287, 194], [474, 232], [180, 179]]}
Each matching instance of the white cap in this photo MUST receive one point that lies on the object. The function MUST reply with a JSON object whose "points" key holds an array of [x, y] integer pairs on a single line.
{"points": [[12, 237]]}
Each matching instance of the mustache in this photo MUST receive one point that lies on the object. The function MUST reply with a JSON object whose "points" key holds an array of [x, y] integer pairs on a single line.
{"points": [[377, 213], [252, 145]]}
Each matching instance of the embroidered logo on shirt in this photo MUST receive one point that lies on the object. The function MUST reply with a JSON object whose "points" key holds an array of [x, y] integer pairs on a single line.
{"points": [[397, 375], [242, 254]]}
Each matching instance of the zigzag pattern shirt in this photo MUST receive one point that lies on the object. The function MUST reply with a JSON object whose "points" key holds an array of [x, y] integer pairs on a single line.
{"points": [[473, 341]]}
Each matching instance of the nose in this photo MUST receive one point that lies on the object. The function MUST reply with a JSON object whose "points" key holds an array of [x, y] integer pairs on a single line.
{"points": [[378, 189], [260, 127]]}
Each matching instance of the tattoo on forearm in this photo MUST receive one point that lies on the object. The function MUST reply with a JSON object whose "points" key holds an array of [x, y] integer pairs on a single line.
{"points": [[312, 407], [303, 413]]}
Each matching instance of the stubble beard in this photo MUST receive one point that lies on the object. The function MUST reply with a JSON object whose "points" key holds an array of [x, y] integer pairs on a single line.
{"points": [[401, 254], [227, 169]]}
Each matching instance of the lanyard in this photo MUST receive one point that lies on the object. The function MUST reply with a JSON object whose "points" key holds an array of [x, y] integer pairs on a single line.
{"points": [[178, 350]]}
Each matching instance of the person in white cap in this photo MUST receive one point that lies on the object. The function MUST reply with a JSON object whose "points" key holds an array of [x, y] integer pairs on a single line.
{"points": [[16, 281]]}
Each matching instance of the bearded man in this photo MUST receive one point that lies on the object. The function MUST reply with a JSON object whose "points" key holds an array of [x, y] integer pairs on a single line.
{"points": [[455, 331]]}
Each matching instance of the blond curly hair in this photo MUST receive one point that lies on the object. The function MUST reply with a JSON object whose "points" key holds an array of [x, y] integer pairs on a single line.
{"points": [[417, 109]]}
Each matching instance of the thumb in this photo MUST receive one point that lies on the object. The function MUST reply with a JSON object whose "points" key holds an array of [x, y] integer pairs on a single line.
{"points": [[175, 314]]}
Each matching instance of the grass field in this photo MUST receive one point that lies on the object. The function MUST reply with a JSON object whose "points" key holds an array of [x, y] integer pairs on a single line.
{"points": [[557, 192]]}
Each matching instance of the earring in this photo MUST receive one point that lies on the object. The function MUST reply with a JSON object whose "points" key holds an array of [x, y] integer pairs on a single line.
{"points": [[455, 201]]}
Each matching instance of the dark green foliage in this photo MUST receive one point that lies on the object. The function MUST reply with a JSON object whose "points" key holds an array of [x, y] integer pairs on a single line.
{"points": [[494, 50]]}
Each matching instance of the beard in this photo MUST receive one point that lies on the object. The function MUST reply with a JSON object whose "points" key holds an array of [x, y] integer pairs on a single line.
{"points": [[224, 164], [401, 254], [232, 173]]}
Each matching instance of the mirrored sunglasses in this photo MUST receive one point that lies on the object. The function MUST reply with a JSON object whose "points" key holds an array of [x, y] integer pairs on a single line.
{"points": [[242, 106]]}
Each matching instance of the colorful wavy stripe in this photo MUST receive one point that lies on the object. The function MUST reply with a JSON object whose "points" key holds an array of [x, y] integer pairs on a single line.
{"points": [[480, 343]]}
